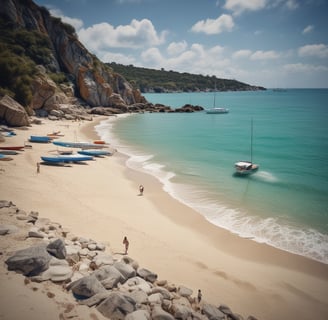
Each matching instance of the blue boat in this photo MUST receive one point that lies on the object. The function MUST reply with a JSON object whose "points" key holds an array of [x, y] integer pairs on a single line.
{"points": [[94, 152], [4, 157], [66, 158], [40, 139], [82, 145]]}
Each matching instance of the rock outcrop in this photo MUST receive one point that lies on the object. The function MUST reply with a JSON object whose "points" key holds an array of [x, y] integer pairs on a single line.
{"points": [[13, 113], [115, 285], [94, 82]]}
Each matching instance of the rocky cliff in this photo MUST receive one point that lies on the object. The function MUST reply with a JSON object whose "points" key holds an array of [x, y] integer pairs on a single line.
{"points": [[91, 82]]}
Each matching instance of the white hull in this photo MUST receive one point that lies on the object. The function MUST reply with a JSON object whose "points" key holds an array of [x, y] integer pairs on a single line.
{"points": [[217, 110], [244, 168]]}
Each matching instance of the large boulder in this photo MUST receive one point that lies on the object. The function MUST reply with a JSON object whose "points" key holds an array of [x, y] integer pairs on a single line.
{"points": [[30, 261], [212, 312], [86, 287], [58, 271], [159, 314], [57, 248], [117, 306], [13, 113], [43, 88], [147, 275], [125, 269]]}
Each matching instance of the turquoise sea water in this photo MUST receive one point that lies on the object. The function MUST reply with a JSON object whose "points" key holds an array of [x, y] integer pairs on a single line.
{"points": [[284, 204]]}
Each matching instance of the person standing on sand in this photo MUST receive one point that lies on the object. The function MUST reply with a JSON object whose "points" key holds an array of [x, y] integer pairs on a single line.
{"points": [[38, 167], [141, 190], [199, 296], [126, 243]]}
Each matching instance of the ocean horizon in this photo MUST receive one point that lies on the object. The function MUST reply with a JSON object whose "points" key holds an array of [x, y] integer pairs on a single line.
{"points": [[284, 204]]}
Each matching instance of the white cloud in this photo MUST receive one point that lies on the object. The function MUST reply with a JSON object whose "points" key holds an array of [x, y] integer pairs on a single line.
{"points": [[264, 55], [314, 50], [76, 23], [137, 34], [176, 47], [239, 6], [214, 26], [242, 54], [291, 4], [116, 57], [152, 57], [308, 29], [304, 68]]}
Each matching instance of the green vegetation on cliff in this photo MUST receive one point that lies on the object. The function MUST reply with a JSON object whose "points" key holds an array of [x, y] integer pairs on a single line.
{"points": [[151, 80], [21, 50]]}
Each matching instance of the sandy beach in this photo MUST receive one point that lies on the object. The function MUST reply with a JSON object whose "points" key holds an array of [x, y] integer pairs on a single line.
{"points": [[100, 200]]}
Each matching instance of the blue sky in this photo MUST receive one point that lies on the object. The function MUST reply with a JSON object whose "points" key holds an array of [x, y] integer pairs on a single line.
{"points": [[271, 43]]}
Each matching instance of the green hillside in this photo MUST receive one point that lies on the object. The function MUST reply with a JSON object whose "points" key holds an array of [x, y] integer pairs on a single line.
{"points": [[151, 80]]}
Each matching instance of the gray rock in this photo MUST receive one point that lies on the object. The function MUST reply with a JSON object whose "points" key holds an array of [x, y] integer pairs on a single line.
{"points": [[58, 271], [57, 249], [138, 315], [147, 275], [13, 113], [135, 284], [8, 229], [92, 246], [139, 296], [125, 269], [32, 217], [212, 312], [86, 287], [155, 298], [103, 259], [101, 246], [159, 314], [109, 276], [36, 233], [30, 261], [164, 292], [117, 306], [72, 253], [181, 311], [5, 204], [95, 299], [184, 291]]}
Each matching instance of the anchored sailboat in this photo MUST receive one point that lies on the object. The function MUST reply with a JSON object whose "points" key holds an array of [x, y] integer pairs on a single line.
{"points": [[244, 168]]}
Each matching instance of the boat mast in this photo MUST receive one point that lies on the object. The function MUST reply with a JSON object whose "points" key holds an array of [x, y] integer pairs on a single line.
{"points": [[252, 140]]}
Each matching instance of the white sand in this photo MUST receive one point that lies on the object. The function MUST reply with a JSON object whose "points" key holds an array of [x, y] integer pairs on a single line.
{"points": [[100, 200]]}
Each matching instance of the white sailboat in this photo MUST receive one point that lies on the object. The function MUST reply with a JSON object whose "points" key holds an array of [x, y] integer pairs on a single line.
{"points": [[244, 168], [216, 110]]}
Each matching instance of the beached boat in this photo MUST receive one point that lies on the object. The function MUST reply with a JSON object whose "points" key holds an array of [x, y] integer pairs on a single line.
{"points": [[94, 152], [64, 158], [9, 152], [11, 148], [4, 157], [82, 145], [244, 168], [99, 142], [9, 133], [55, 135], [40, 139]]}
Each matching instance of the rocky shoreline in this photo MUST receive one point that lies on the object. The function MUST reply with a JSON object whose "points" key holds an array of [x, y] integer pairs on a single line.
{"points": [[112, 283]]}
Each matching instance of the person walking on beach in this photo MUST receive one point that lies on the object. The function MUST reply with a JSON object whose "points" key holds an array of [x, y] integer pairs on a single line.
{"points": [[141, 190], [38, 167], [126, 243], [199, 296]]}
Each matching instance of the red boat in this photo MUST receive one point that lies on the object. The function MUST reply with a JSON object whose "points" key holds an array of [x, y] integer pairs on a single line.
{"points": [[11, 147]]}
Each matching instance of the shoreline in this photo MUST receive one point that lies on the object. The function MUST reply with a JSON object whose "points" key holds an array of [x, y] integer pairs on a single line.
{"points": [[289, 246], [100, 200]]}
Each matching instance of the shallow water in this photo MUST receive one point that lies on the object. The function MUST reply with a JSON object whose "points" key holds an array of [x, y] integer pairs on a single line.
{"points": [[284, 204]]}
